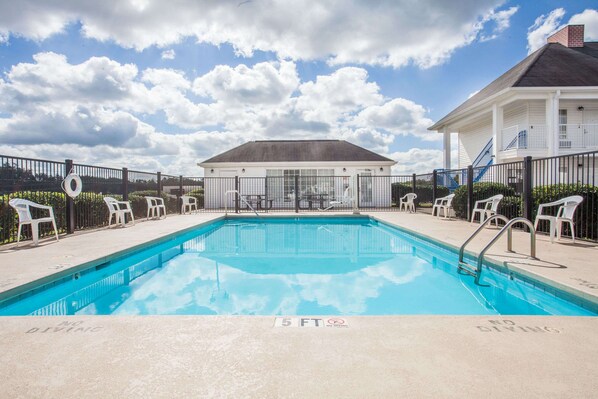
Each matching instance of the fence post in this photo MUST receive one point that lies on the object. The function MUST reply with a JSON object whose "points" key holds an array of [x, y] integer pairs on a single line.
{"points": [[125, 187], [528, 201], [469, 191], [178, 200], [70, 203], [357, 188], [296, 194], [159, 179], [237, 194], [434, 185], [413, 183]]}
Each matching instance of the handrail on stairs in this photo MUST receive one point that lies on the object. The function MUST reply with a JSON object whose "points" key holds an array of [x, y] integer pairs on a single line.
{"points": [[240, 197], [508, 227]]}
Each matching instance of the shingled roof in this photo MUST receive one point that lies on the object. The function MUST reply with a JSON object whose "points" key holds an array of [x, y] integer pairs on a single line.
{"points": [[553, 65], [297, 151]]}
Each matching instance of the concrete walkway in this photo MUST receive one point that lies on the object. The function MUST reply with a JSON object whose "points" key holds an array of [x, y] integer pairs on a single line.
{"points": [[243, 356]]}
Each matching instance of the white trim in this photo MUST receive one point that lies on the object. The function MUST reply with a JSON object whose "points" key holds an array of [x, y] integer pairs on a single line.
{"points": [[289, 165], [568, 92]]}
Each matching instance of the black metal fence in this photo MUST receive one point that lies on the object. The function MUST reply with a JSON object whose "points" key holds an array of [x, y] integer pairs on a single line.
{"points": [[524, 184]]}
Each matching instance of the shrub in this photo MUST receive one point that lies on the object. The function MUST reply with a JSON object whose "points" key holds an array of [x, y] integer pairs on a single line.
{"points": [[139, 203], [480, 191], [9, 220], [198, 195], [422, 189], [586, 215]]}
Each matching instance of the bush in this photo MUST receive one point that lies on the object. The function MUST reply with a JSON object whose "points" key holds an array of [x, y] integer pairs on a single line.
{"points": [[9, 220], [198, 195], [422, 189], [139, 203], [586, 215], [481, 191]]}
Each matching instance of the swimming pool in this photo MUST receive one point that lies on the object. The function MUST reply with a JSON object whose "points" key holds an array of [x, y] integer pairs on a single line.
{"points": [[289, 266]]}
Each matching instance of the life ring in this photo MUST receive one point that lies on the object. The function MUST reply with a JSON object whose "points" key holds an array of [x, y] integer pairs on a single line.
{"points": [[67, 185]]}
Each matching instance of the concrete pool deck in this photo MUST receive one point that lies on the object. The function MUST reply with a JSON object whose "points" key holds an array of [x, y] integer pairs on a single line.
{"points": [[246, 356]]}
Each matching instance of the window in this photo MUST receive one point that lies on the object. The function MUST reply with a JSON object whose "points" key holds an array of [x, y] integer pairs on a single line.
{"points": [[562, 124], [281, 182]]}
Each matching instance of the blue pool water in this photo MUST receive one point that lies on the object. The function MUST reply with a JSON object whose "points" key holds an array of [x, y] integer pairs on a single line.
{"points": [[290, 266]]}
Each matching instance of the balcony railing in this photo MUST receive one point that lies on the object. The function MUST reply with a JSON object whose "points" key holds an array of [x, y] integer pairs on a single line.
{"points": [[574, 136], [578, 136], [524, 137]]}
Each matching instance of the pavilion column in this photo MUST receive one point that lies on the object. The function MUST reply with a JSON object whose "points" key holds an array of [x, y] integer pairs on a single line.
{"points": [[552, 123], [446, 140], [497, 126]]}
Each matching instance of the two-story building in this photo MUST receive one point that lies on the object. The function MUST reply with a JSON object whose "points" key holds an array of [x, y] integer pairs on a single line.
{"points": [[546, 105]]}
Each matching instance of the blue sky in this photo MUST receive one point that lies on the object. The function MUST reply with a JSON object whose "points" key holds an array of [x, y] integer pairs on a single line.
{"points": [[162, 85]]}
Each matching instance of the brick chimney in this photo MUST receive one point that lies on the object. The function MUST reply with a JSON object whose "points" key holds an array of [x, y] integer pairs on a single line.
{"points": [[569, 36]]}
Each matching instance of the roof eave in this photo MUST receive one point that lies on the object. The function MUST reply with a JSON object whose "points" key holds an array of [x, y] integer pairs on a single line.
{"points": [[475, 107]]}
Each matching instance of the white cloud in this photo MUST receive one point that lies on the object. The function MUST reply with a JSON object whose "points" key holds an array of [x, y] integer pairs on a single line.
{"points": [[391, 33], [168, 54], [544, 26], [337, 95], [98, 110], [502, 20], [398, 116], [265, 83], [589, 18]]}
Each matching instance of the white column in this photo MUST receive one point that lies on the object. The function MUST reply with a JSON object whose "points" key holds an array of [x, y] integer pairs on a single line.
{"points": [[446, 141], [552, 123], [497, 125]]}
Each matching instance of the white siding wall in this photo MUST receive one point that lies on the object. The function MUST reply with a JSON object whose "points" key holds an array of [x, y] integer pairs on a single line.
{"points": [[537, 112], [515, 114], [215, 188], [472, 140]]}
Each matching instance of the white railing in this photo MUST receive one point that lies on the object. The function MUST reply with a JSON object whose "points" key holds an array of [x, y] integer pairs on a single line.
{"points": [[578, 135], [524, 137]]}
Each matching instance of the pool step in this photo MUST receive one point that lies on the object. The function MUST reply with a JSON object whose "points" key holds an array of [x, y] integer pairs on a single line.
{"points": [[468, 269]]}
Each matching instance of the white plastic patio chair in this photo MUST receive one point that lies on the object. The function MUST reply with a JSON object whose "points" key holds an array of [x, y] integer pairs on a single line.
{"points": [[486, 208], [154, 205], [346, 199], [445, 204], [564, 215], [408, 202], [23, 208], [118, 209], [188, 203]]}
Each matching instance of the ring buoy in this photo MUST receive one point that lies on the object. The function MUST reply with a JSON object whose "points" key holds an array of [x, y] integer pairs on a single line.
{"points": [[68, 187]]}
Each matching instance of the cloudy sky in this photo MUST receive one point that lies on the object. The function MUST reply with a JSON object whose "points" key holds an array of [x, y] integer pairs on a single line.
{"points": [[162, 85]]}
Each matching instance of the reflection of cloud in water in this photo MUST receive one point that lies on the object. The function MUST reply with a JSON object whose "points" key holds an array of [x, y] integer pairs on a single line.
{"points": [[191, 284]]}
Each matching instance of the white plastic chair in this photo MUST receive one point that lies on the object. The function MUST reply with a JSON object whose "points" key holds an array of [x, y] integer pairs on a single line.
{"points": [[346, 199], [118, 209], [445, 204], [188, 203], [486, 208], [564, 215], [408, 201], [23, 208], [154, 205]]}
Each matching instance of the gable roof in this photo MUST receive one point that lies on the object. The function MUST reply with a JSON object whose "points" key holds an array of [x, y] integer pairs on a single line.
{"points": [[297, 151], [553, 65]]}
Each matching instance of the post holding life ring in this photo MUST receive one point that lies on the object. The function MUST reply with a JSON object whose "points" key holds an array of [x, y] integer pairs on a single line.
{"points": [[68, 187]]}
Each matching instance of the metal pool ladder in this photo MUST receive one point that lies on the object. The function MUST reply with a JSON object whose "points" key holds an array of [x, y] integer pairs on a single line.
{"points": [[476, 271], [242, 199]]}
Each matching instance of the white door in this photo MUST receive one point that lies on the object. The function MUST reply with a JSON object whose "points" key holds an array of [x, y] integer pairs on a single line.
{"points": [[590, 131], [227, 183], [365, 187]]}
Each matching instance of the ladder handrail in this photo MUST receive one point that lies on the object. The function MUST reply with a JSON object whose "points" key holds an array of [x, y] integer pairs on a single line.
{"points": [[475, 233], [499, 234], [242, 199]]}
